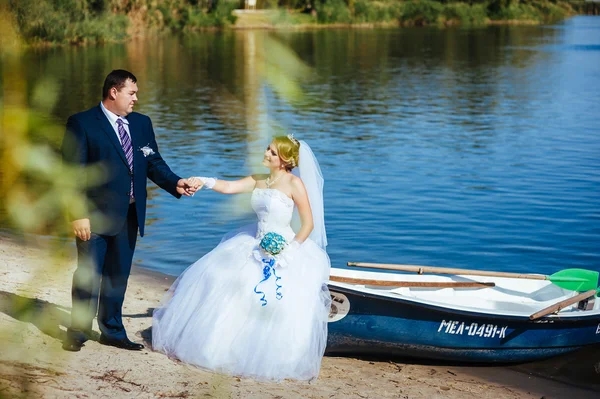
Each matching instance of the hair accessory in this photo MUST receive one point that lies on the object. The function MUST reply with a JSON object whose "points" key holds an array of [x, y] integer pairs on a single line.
{"points": [[293, 139]]}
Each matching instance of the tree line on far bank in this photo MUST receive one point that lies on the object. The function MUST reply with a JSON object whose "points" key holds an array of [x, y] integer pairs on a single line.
{"points": [[80, 21]]}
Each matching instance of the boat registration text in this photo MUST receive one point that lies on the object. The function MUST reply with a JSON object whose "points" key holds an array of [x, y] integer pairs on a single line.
{"points": [[472, 329]]}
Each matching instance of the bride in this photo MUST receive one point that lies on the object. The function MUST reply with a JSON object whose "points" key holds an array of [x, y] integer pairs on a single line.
{"points": [[257, 304]]}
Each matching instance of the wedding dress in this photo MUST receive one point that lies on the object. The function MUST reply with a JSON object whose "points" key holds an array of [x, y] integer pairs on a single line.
{"points": [[224, 314]]}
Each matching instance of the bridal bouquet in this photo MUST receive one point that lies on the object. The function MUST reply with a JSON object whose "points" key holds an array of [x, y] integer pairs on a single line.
{"points": [[281, 253], [273, 243]]}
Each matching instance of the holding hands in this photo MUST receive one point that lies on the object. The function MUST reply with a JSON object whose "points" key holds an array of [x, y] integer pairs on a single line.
{"points": [[197, 182], [188, 187]]}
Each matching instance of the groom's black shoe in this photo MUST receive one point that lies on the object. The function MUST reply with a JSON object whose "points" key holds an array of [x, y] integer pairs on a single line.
{"points": [[72, 345], [124, 343], [75, 340]]}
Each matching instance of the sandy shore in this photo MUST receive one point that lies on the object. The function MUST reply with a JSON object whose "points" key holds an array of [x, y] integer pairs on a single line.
{"points": [[35, 305]]}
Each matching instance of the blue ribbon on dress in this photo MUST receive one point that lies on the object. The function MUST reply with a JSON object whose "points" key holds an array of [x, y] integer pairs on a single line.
{"points": [[268, 270]]}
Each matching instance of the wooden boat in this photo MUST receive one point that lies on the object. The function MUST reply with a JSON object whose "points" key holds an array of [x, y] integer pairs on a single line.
{"points": [[457, 318]]}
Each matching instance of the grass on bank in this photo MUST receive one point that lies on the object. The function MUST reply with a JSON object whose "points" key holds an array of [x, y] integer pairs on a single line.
{"points": [[58, 21], [79, 21], [432, 12]]}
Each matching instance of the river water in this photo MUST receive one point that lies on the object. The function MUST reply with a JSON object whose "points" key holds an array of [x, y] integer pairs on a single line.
{"points": [[475, 148]]}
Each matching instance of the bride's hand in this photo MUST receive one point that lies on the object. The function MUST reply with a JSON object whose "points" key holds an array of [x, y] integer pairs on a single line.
{"points": [[286, 257], [185, 188], [195, 182]]}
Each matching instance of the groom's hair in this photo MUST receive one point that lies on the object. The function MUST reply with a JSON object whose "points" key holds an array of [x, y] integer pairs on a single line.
{"points": [[116, 78]]}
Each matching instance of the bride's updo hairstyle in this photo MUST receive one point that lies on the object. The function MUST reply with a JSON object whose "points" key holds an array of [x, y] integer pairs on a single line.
{"points": [[288, 149]]}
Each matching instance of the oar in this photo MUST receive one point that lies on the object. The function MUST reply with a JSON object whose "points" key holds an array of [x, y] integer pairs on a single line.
{"points": [[569, 279], [557, 307], [414, 284]]}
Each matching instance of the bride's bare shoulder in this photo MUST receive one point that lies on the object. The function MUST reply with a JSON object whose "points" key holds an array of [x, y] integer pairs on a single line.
{"points": [[297, 184], [295, 179]]}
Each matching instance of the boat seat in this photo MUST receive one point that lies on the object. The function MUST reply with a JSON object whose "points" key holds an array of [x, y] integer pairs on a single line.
{"points": [[526, 306]]}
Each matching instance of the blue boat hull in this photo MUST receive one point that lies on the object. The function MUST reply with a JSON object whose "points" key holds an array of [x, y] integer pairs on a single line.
{"points": [[363, 323]]}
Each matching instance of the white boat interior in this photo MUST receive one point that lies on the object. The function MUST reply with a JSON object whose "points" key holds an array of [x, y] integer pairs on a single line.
{"points": [[509, 296]]}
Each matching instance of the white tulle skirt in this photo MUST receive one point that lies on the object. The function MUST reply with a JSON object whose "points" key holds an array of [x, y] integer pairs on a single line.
{"points": [[213, 318]]}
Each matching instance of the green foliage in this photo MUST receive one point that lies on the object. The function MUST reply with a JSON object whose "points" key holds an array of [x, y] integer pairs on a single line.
{"points": [[421, 12], [333, 11], [223, 13], [37, 190], [78, 21], [496, 6], [67, 20], [479, 12], [465, 14], [376, 11], [515, 10], [554, 10], [268, 4], [535, 10], [198, 19], [285, 17], [221, 16]]}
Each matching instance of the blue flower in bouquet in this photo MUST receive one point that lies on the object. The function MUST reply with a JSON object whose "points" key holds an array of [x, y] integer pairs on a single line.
{"points": [[273, 243]]}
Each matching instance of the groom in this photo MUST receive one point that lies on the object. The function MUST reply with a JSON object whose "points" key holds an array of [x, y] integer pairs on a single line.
{"points": [[111, 138]]}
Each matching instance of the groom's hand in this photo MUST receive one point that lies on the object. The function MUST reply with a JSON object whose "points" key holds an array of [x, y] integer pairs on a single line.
{"points": [[82, 229], [185, 187], [195, 182]]}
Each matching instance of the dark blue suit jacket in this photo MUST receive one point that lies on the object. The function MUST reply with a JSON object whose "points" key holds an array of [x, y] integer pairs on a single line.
{"points": [[90, 140]]}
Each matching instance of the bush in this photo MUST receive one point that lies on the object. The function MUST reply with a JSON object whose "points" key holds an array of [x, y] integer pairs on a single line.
{"points": [[224, 13], [197, 18], [59, 21], [553, 11], [375, 11], [538, 10], [102, 28], [465, 14], [333, 11], [421, 12], [286, 17]]}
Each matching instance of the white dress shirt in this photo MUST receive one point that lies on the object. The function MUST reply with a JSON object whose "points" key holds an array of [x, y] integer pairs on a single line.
{"points": [[112, 118]]}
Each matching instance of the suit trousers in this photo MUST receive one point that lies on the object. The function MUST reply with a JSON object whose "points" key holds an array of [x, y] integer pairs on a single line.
{"points": [[100, 280]]}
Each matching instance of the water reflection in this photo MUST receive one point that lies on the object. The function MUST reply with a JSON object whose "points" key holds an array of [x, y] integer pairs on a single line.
{"points": [[459, 147]]}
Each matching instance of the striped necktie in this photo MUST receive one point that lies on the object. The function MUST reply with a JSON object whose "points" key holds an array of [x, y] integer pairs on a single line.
{"points": [[127, 149]]}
